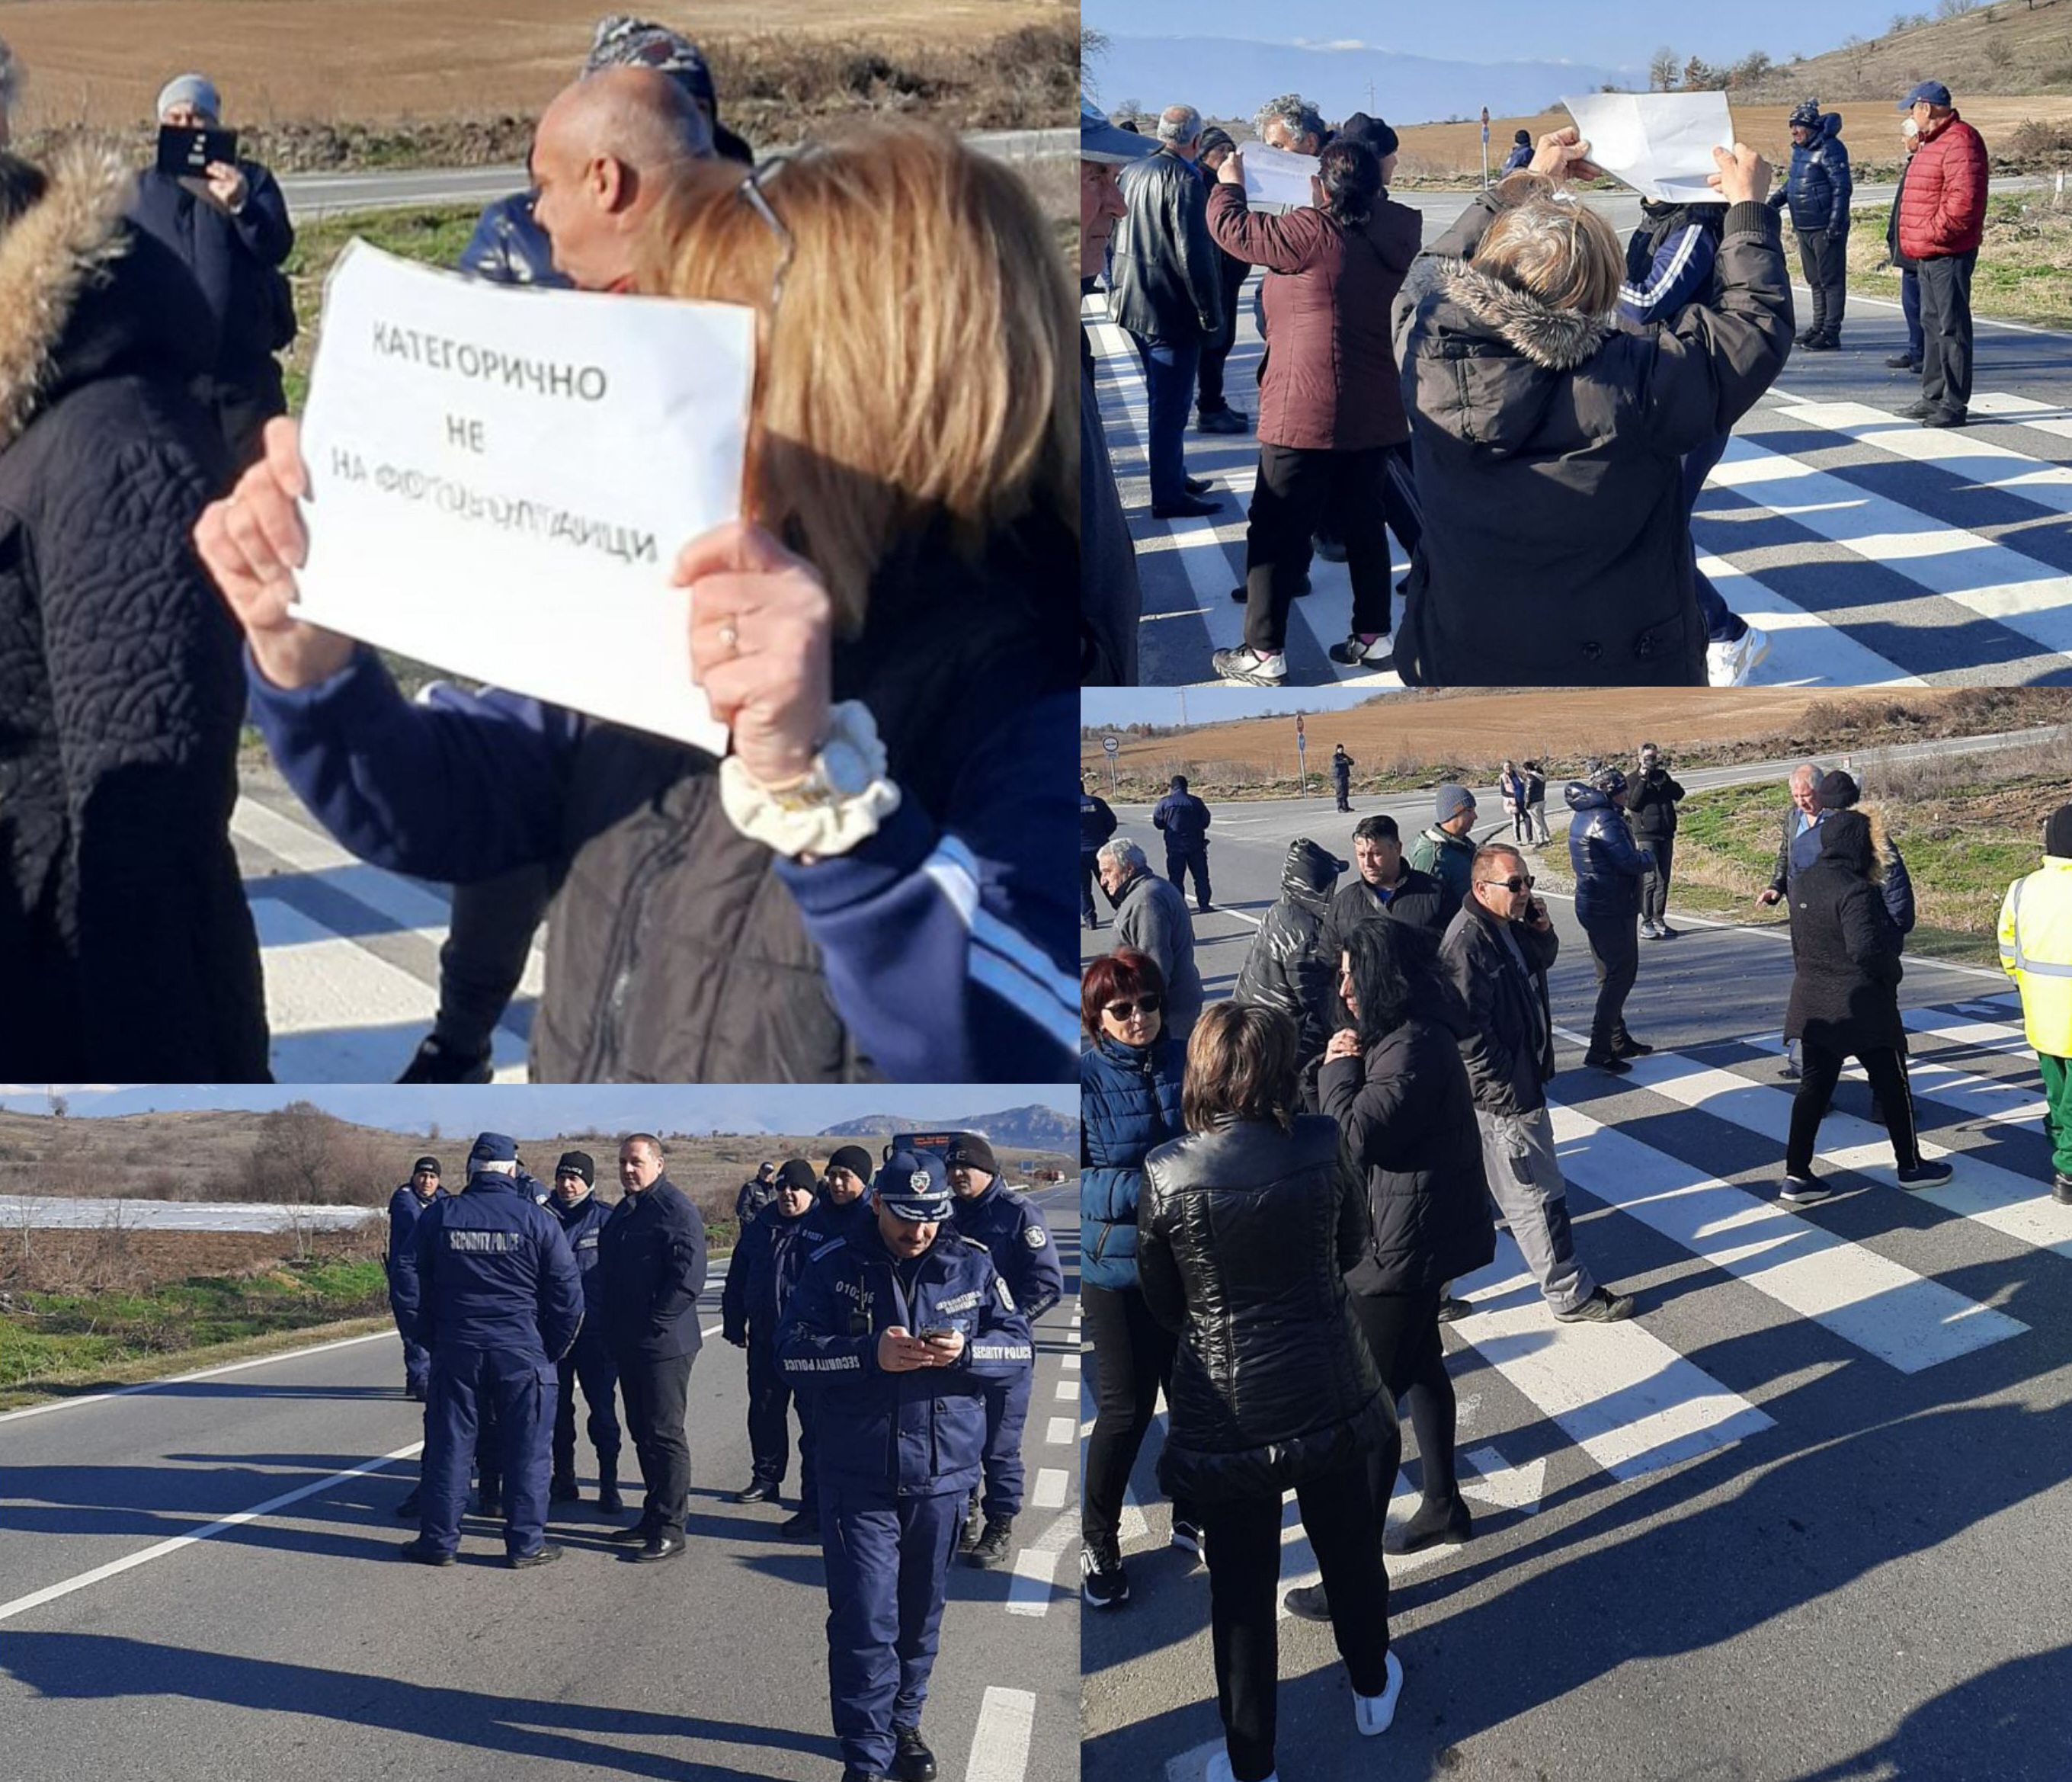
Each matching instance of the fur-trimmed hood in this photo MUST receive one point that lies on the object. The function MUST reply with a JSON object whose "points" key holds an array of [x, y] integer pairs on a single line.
{"points": [[1555, 339], [84, 294]]}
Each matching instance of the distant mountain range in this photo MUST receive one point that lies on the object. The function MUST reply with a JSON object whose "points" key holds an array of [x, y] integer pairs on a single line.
{"points": [[1228, 77], [1032, 1127]]}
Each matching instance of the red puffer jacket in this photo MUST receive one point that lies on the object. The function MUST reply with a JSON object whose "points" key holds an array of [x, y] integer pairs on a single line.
{"points": [[1942, 206]]}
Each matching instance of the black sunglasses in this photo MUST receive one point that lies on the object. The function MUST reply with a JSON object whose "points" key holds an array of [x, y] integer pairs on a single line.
{"points": [[1517, 881], [1144, 1005]]}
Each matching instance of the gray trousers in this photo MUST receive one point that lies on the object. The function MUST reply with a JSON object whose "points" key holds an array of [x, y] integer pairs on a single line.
{"points": [[1536, 814], [1525, 1179]]}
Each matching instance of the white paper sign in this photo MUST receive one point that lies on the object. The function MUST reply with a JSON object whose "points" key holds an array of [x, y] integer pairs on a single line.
{"points": [[1275, 176], [1659, 143], [501, 480]]}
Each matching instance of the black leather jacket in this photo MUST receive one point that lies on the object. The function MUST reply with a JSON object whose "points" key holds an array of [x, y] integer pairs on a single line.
{"points": [[1244, 1234], [1287, 967], [1508, 1070]]}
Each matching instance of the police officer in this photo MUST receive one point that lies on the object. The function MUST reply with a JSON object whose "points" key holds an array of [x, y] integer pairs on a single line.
{"points": [[1342, 775], [651, 1259], [497, 1299], [1097, 825], [489, 1437], [767, 1256], [406, 1206], [1184, 821], [756, 1193], [987, 1211], [843, 1210], [582, 1217], [900, 1330]]}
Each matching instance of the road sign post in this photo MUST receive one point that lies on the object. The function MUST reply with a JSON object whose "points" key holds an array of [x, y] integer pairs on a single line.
{"points": [[1109, 745], [1485, 148], [1302, 761]]}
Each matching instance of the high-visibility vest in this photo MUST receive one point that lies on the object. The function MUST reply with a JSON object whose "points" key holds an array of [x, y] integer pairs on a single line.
{"points": [[2035, 952]]}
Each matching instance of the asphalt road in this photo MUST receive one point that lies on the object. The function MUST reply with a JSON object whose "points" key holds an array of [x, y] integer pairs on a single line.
{"points": [[314, 194], [1801, 1519], [290, 1644], [1869, 550]]}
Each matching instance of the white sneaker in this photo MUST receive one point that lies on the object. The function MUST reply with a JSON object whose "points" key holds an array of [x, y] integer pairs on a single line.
{"points": [[1372, 1713], [1251, 668], [1219, 1770], [1730, 665], [1354, 653]]}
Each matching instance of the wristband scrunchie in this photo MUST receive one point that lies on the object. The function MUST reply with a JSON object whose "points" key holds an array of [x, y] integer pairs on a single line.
{"points": [[840, 803]]}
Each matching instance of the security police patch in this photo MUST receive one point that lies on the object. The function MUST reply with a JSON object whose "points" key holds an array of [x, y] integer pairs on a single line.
{"points": [[1033, 1236], [918, 1181]]}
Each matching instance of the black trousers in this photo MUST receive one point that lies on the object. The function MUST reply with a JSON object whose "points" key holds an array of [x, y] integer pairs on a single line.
{"points": [[1294, 489], [769, 1413], [590, 1363], [1654, 887], [483, 955], [1087, 911], [1824, 259], [656, 1392], [1615, 952], [1946, 330], [1402, 1333], [1132, 1359], [1819, 1070], [1180, 861], [1242, 1542], [1216, 349]]}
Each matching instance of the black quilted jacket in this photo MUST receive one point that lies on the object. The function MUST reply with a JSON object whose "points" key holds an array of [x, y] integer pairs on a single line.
{"points": [[1244, 1235], [127, 954]]}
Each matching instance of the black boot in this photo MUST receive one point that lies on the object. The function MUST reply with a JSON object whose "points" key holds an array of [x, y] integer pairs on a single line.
{"points": [[912, 1761], [609, 1502], [562, 1489]]}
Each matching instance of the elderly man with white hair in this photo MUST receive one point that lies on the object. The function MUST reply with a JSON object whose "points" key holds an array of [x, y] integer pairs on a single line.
{"points": [[1151, 918], [1167, 292], [230, 225]]}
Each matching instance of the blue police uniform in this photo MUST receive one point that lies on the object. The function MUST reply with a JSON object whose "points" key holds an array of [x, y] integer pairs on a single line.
{"points": [[1026, 1256], [497, 1300], [405, 1210], [768, 1257], [897, 1451], [489, 1437], [1184, 820], [589, 1362]]}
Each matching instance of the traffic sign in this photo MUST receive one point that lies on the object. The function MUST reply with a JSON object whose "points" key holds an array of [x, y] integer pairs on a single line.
{"points": [[1110, 745], [1298, 723]]}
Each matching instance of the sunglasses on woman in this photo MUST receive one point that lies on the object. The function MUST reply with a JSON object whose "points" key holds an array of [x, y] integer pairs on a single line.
{"points": [[1144, 1005]]}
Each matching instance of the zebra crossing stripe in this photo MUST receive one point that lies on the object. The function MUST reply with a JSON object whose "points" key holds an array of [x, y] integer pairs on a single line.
{"points": [[1954, 1030], [1881, 1307], [1979, 461], [1980, 1097], [2016, 1207]]}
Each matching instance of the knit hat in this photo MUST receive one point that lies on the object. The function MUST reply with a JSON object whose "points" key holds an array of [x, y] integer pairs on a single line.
{"points": [[1608, 780], [431, 1163], [1838, 792], [1214, 137], [2057, 832], [797, 1173], [1377, 135], [622, 41], [582, 1162], [971, 1150], [1806, 112], [855, 1159], [196, 90], [909, 1189], [1451, 801]]}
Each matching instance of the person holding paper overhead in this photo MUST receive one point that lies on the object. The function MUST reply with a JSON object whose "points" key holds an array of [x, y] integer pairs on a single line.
{"points": [[1548, 444], [868, 881], [1817, 189]]}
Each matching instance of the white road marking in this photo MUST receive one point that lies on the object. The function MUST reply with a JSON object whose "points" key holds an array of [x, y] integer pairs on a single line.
{"points": [[1034, 1579], [1000, 1743], [1060, 1430], [1067, 1390], [144, 1556], [1884, 1309], [1192, 1766], [1048, 1493]]}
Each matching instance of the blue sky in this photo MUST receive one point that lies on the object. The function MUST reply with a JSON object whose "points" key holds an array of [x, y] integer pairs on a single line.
{"points": [[1619, 33], [542, 1107]]}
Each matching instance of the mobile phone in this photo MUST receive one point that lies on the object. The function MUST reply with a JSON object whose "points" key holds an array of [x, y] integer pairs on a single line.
{"points": [[935, 1333], [186, 152]]}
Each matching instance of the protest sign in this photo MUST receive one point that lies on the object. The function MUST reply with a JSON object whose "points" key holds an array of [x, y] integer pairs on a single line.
{"points": [[501, 478], [1659, 143], [1274, 176]]}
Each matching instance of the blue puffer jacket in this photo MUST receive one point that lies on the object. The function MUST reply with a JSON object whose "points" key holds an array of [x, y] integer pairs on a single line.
{"points": [[1129, 1102], [509, 247], [1818, 187], [1608, 863]]}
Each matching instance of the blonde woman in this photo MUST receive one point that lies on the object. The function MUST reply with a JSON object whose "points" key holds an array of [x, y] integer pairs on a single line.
{"points": [[867, 884], [1548, 444]]}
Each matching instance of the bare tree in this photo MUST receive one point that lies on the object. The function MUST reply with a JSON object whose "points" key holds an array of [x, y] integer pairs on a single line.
{"points": [[1661, 68], [295, 1149], [1093, 45]]}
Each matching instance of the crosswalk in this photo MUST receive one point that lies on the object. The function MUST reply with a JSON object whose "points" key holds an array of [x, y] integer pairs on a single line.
{"points": [[1747, 1298], [350, 953], [1872, 551]]}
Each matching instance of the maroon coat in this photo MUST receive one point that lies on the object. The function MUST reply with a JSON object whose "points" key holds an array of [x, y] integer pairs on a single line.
{"points": [[1330, 382], [1942, 204]]}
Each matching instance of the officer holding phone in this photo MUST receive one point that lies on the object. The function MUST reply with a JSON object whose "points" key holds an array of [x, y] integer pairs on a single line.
{"points": [[226, 219], [897, 1332]]}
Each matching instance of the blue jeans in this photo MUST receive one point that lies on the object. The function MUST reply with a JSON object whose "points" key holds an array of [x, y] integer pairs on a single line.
{"points": [[1169, 371], [1910, 303], [1722, 624]]}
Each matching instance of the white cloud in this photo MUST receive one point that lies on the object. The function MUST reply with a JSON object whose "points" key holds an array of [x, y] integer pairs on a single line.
{"points": [[1336, 43]]}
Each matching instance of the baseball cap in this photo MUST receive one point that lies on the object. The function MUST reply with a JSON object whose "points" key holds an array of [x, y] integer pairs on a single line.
{"points": [[909, 1189], [1101, 141], [1932, 91]]}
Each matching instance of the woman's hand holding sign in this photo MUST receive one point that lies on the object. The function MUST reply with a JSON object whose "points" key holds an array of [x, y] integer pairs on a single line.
{"points": [[252, 542]]}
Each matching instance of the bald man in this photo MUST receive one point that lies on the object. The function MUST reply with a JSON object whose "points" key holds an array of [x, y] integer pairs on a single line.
{"points": [[602, 153]]}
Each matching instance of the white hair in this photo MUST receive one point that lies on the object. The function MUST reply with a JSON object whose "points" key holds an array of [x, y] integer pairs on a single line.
{"points": [[1179, 125], [1301, 117], [1122, 852]]}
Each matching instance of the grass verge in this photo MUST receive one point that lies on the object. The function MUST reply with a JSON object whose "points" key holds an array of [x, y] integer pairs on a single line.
{"points": [[2025, 270]]}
